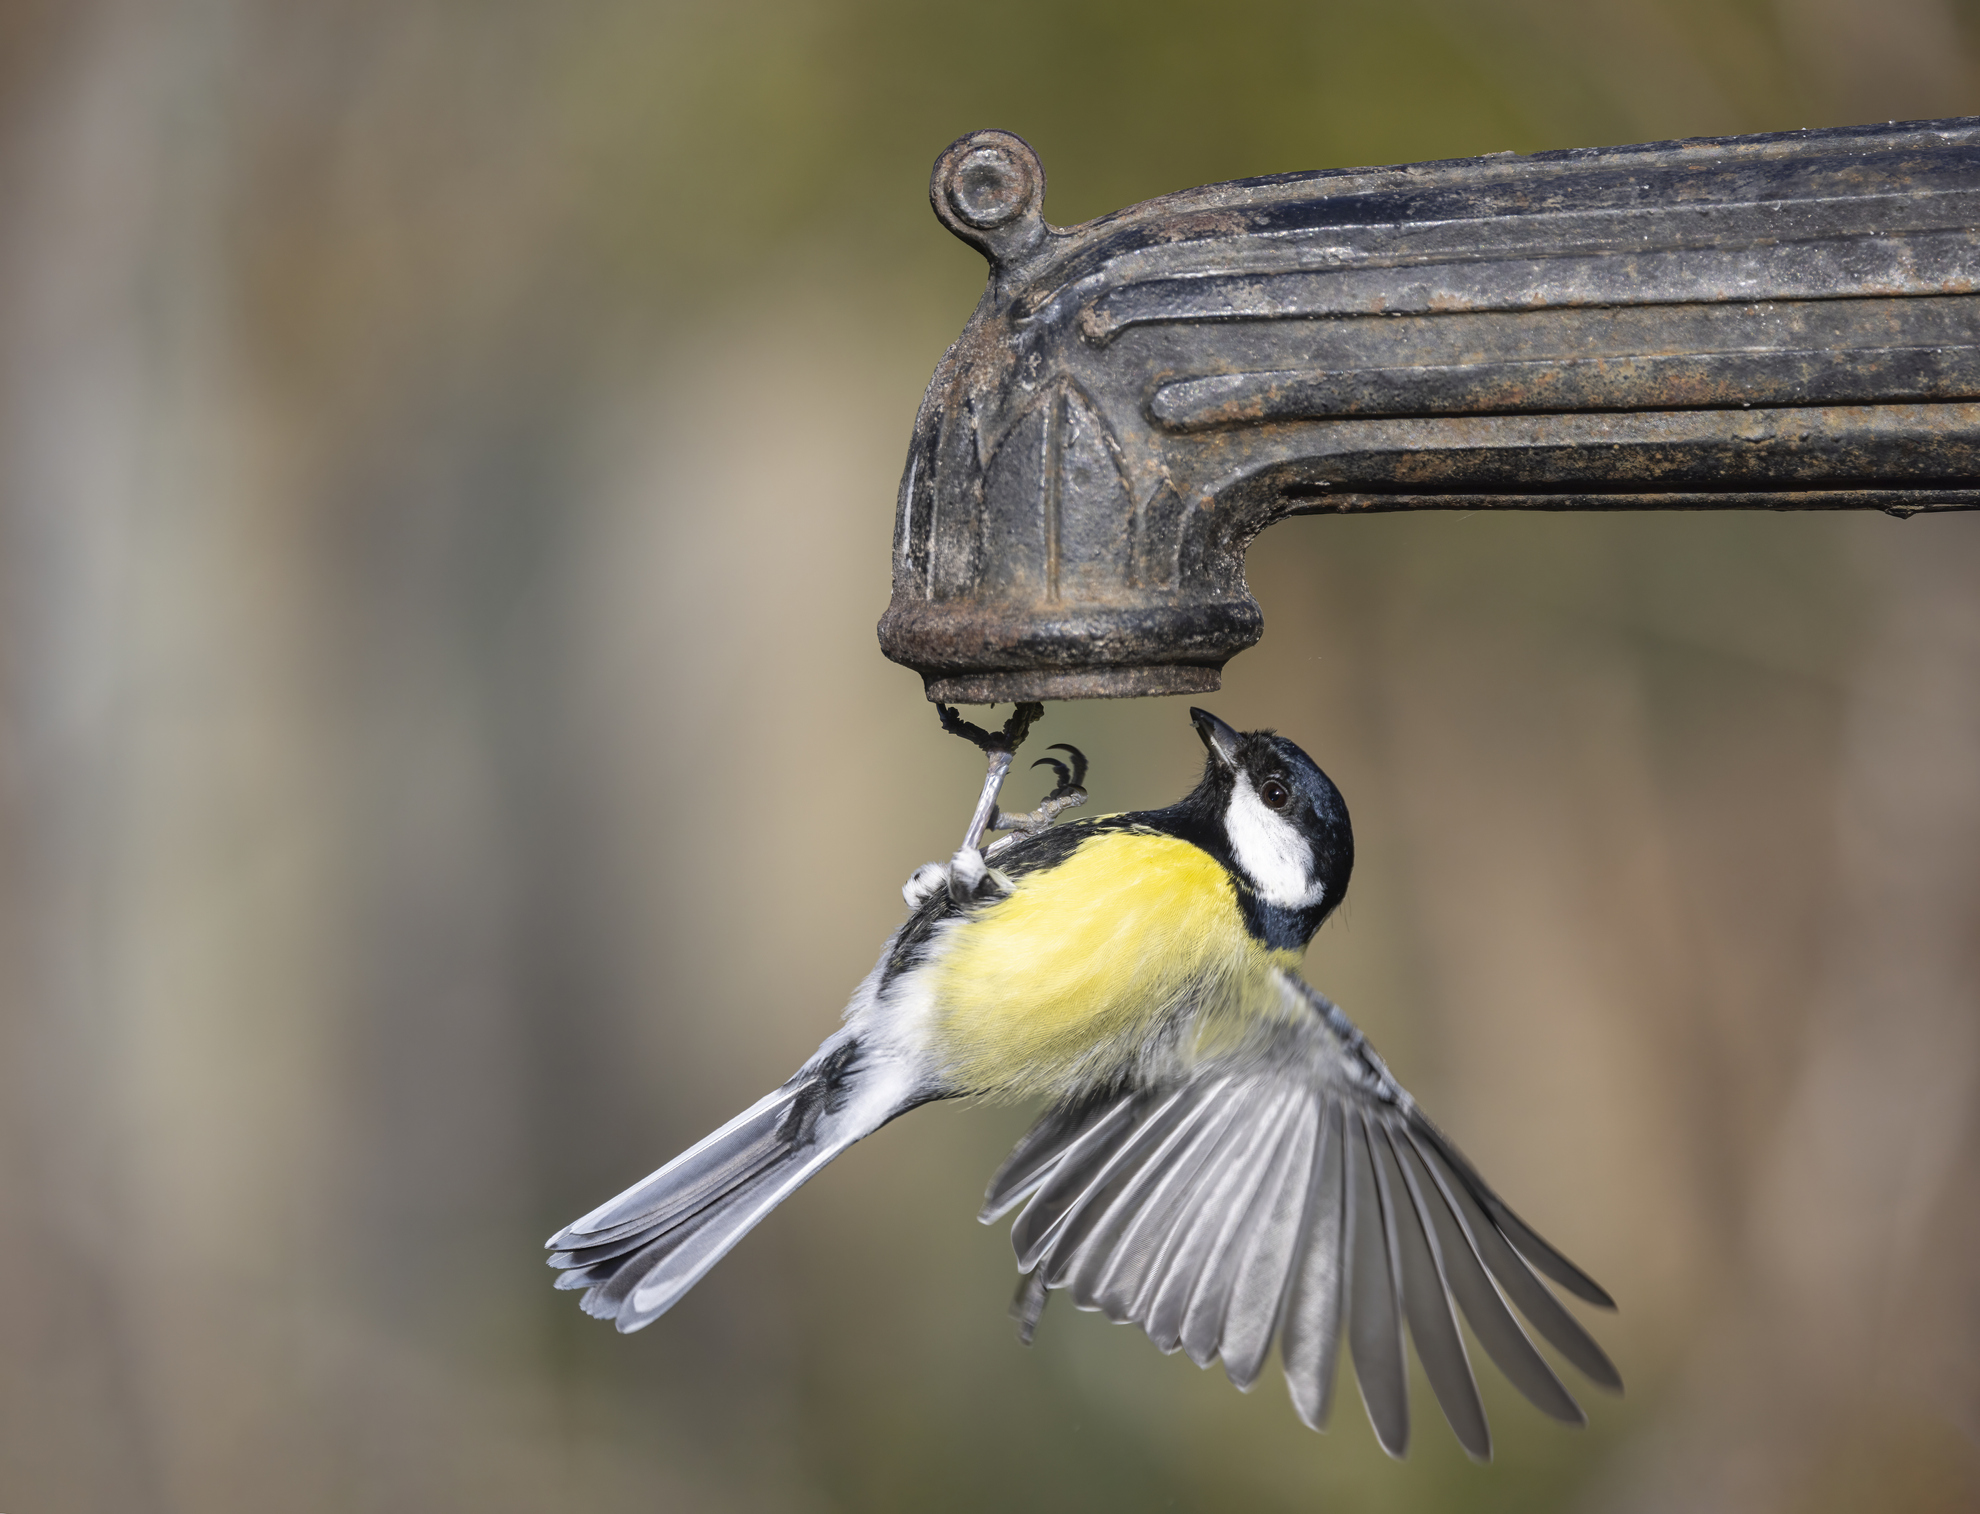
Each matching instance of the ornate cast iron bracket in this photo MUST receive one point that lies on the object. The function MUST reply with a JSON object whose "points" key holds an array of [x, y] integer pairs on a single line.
{"points": [[1784, 322]]}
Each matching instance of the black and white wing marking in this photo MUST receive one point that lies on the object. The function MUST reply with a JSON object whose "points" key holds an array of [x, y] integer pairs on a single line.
{"points": [[1296, 1192]]}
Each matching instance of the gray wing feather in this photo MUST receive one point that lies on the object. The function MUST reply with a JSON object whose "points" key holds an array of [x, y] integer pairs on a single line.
{"points": [[1253, 1195], [1317, 1299], [1198, 1264], [1123, 1273], [1427, 1304], [1543, 1256], [1296, 1191], [1528, 1294], [1172, 1224], [1070, 1181], [1259, 1284], [1497, 1331], [1088, 1238], [1374, 1317], [1034, 1157]]}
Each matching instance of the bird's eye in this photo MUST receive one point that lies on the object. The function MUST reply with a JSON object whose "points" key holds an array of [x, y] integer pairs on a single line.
{"points": [[1275, 794]]}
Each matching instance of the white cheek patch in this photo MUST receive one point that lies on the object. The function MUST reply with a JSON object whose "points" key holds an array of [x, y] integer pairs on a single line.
{"points": [[1272, 851]]}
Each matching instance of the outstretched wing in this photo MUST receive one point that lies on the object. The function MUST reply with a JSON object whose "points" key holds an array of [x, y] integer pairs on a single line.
{"points": [[1294, 1191]]}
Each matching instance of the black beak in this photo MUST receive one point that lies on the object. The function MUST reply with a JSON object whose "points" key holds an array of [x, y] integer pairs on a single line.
{"points": [[1218, 737]]}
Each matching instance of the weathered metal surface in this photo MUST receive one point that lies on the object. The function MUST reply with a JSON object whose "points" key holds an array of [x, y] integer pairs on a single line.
{"points": [[1787, 322]]}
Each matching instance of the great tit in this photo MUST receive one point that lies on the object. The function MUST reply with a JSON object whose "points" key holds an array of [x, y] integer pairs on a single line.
{"points": [[1224, 1159]]}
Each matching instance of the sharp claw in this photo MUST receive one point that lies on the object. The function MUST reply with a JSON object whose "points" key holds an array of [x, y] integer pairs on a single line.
{"points": [[1071, 781], [1079, 762]]}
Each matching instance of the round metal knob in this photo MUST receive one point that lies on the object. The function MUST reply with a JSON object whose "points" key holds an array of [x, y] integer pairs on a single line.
{"points": [[990, 186], [989, 189]]}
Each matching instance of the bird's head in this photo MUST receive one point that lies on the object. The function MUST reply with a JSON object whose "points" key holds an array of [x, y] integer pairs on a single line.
{"points": [[1284, 822]]}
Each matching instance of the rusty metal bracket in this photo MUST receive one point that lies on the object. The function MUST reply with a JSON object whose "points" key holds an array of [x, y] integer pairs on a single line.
{"points": [[1783, 322]]}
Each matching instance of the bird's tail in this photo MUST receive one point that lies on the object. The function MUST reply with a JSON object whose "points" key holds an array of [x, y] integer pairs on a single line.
{"points": [[636, 1255]]}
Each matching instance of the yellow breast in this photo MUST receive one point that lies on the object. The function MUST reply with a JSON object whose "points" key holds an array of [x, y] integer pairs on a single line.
{"points": [[1063, 983]]}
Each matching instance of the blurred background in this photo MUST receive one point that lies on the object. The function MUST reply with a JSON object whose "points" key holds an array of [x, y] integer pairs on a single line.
{"points": [[447, 460]]}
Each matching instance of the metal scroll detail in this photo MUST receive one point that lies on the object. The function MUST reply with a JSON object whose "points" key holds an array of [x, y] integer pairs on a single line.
{"points": [[1782, 322]]}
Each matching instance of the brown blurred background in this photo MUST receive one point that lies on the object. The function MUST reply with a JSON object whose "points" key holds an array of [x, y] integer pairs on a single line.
{"points": [[447, 460]]}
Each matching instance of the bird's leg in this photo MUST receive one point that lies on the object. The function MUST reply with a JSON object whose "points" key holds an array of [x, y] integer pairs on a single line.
{"points": [[970, 878], [967, 877], [986, 816]]}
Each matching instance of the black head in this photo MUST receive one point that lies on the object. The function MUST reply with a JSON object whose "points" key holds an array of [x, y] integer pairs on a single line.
{"points": [[1283, 824]]}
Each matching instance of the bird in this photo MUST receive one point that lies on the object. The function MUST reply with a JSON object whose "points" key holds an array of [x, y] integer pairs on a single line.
{"points": [[1223, 1160]]}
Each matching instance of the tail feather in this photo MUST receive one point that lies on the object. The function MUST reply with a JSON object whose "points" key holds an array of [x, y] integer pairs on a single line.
{"points": [[654, 1279], [702, 1173], [636, 1255]]}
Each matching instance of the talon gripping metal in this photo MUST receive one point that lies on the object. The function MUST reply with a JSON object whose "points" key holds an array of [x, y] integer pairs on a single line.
{"points": [[1778, 322]]}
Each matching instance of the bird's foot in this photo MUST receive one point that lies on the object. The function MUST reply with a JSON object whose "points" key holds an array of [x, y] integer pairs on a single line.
{"points": [[929, 878], [965, 877], [999, 747], [973, 881], [1066, 796]]}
